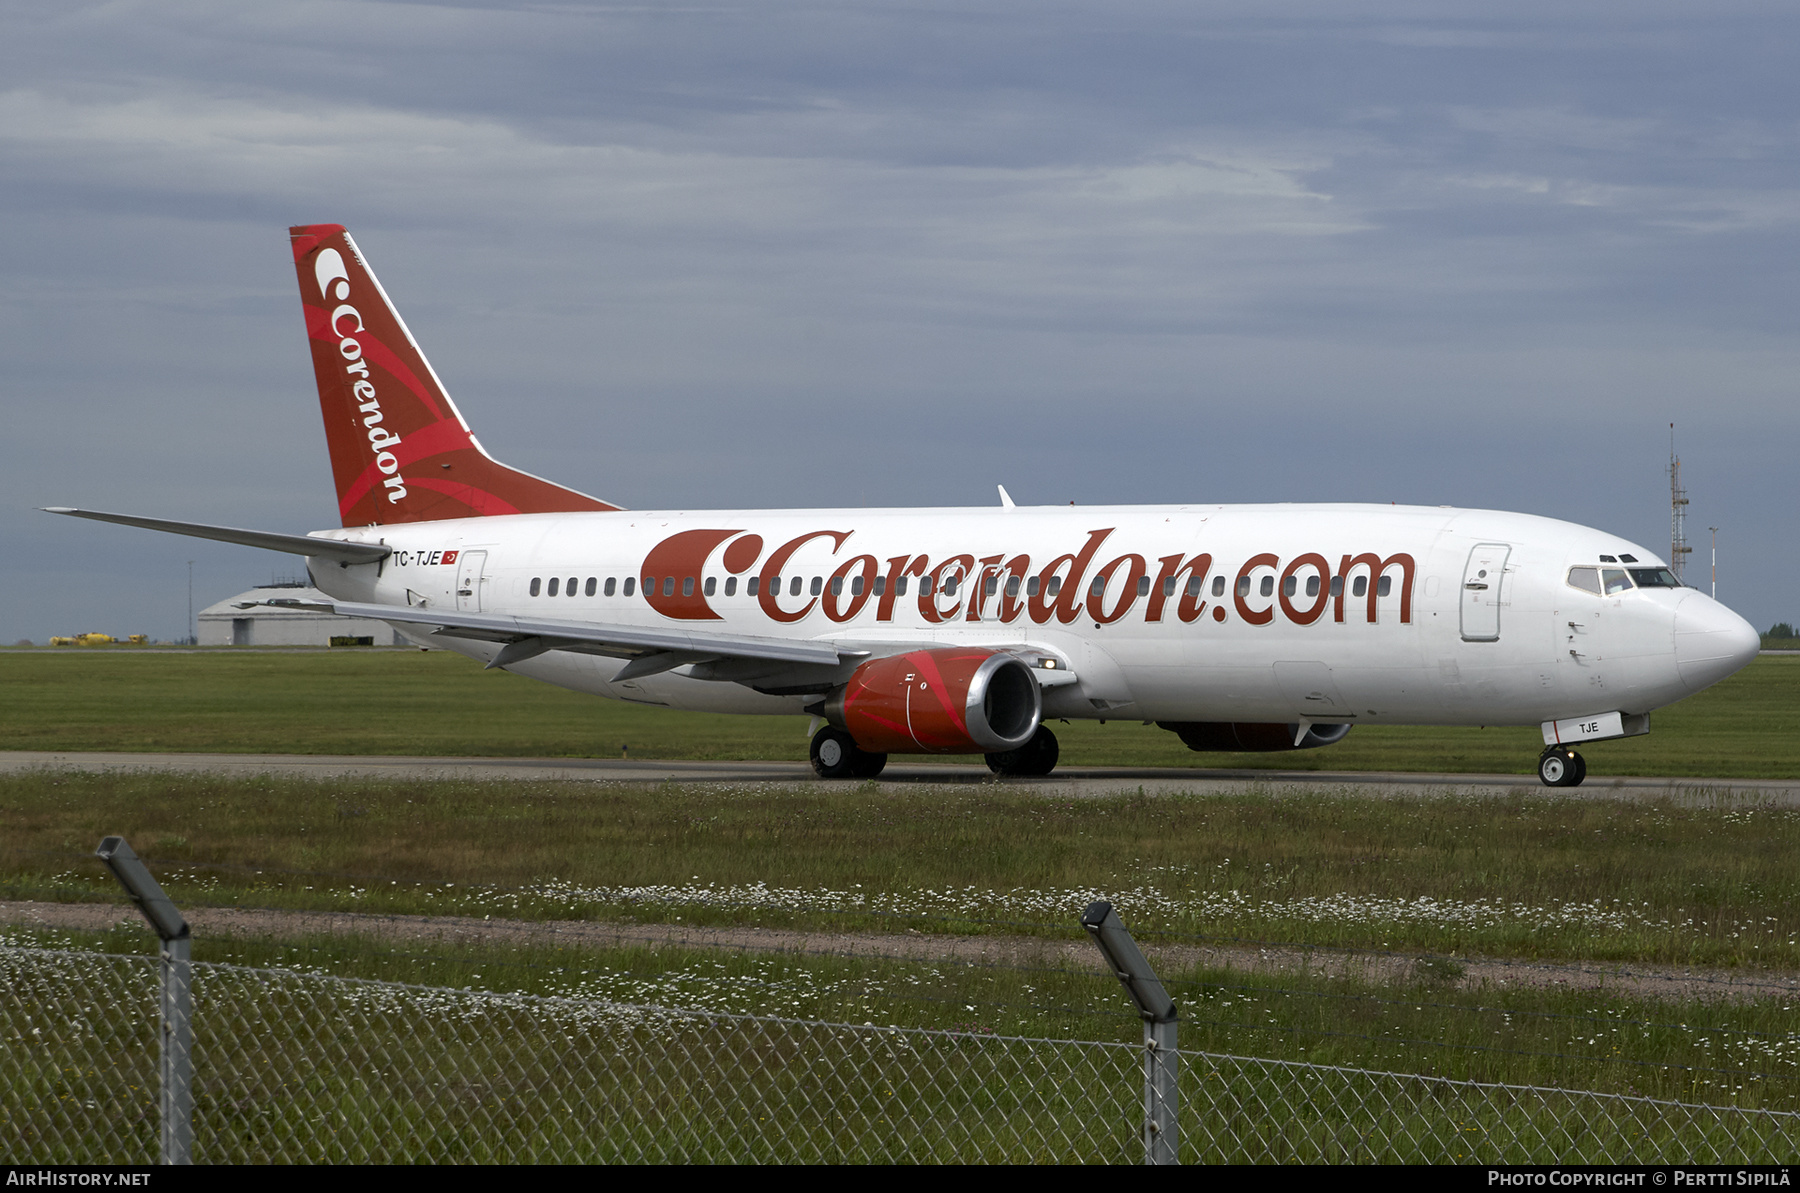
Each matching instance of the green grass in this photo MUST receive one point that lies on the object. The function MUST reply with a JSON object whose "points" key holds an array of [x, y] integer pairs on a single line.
{"points": [[1528, 875], [436, 703], [279, 1055]]}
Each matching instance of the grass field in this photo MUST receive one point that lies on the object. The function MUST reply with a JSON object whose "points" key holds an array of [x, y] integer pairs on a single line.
{"points": [[1528, 875], [1442, 881], [415, 702]]}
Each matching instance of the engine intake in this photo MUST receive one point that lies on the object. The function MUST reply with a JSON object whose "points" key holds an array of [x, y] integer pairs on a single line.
{"points": [[945, 701], [1250, 737]]}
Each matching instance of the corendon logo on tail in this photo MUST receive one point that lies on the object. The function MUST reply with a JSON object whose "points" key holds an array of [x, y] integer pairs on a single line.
{"points": [[1000, 588], [334, 285]]}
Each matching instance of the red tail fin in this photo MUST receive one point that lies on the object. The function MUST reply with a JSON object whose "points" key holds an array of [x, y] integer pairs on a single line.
{"points": [[400, 451]]}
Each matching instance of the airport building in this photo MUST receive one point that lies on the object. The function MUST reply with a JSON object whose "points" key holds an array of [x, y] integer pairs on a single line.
{"points": [[241, 621]]}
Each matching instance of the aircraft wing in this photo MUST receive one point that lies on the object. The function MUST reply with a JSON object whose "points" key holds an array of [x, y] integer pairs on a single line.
{"points": [[648, 649]]}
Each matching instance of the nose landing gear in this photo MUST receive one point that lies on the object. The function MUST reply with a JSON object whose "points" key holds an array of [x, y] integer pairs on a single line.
{"points": [[1559, 766]]}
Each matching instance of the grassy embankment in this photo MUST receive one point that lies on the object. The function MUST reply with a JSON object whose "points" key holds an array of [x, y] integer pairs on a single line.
{"points": [[409, 702], [1536, 878]]}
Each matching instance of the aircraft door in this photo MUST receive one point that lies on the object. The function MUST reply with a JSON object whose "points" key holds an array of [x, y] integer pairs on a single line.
{"points": [[1482, 592], [469, 580]]}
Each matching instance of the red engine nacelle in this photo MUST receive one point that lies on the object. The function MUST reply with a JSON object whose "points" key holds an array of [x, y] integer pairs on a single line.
{"points": [[944, 701]]}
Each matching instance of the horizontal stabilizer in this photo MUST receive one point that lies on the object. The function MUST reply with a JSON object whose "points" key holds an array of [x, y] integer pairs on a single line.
{"points": [[294, 544]]}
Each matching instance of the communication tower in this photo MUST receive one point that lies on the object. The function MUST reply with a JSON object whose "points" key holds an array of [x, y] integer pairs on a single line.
{"points": [[1678, 500]]}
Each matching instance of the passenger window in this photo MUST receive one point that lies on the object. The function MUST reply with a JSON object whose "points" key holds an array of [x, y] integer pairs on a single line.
{"points": [[731, 586], [669, 586], [1098, 588], [611, 587], [900, 586], [1312, 586], [752, 584], [536, 584], [1268, 585], [990, 584], [1586, 579], [591, 586], [1218, 586], [1193, 586], [554, 581], [881, 586], [927, 585], [1290, 586], [1143, 586], [856, 586], [649, 586], [950, 585], [712, 583], [1243, 586], [818, 586], [1337, 586], [837, 586], [1654, 577], [794, 586], [570, 589], [774, 585], [630, 583], [687, 586], [1033, 585], [1615, 580], [1385, 586], [1359, 586], [1055, 588], [1012, 586], [1169, 585]]}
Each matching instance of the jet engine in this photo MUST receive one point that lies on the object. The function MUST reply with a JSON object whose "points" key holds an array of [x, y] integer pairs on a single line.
{"points": [[1251, 737], [945, 701]]}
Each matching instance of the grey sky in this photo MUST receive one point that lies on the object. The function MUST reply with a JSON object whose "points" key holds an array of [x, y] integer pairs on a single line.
{"points": [[818, 254]]}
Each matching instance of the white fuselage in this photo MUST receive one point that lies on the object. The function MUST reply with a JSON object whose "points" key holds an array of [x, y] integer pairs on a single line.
{"points": [[1277, 612]]}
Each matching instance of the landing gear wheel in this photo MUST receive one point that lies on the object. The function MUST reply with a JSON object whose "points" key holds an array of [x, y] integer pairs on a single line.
{"points": [[835, 756], [1036, 757], [1559, 767]]}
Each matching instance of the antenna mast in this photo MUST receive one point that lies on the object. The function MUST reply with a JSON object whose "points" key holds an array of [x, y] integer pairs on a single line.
{"points": [[1678, 500]]}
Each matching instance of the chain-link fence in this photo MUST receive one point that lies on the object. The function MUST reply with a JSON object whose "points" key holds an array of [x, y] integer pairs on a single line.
{"points": [[293, 1067]]}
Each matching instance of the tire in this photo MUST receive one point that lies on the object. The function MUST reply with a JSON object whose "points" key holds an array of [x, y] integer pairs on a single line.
{"points": [[1557, 767], [834, 754], [864, 765], [1580, 768], [1036, 757]]}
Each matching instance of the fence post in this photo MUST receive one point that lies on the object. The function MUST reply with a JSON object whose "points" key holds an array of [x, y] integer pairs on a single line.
{"points": [[1162, 1135], [175, 1008]]}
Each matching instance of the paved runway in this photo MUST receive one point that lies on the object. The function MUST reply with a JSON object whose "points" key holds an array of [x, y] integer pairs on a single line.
{"points": [[1066, 782]]}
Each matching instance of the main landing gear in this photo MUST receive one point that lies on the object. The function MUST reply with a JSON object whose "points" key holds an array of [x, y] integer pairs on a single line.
{"points": [[1559, 766], [835, 755], [1036, 757]]}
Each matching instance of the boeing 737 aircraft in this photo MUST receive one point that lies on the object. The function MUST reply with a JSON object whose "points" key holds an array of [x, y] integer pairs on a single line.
{"points": [[961, 631]]}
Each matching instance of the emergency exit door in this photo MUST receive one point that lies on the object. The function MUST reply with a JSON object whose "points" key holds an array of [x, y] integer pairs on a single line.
{"points": [[1483, 592]]}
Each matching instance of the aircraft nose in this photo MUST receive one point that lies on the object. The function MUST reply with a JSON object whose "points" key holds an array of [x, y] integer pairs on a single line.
{"points": [[1711, 641]]}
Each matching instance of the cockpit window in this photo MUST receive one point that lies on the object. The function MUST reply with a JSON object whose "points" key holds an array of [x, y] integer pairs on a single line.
{"points": [[1615, 580], [1586, 579], [1655, 578]]}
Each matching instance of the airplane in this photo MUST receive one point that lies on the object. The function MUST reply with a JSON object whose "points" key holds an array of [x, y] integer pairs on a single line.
{"points": [[965, 630]]}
